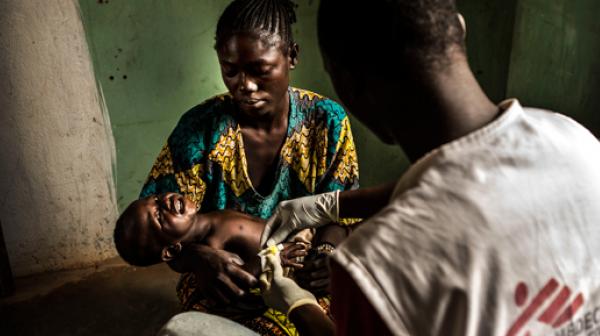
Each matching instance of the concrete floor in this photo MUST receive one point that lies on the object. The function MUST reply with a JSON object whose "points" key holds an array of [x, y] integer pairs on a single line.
{"points": [[112, 299]]}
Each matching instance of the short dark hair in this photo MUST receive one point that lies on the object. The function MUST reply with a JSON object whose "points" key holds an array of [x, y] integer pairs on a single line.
{"points": [[135, 250], [273, 17], [354, 32]]}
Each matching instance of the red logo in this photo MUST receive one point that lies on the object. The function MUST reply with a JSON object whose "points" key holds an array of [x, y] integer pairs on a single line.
{"points": [[557, 313]]}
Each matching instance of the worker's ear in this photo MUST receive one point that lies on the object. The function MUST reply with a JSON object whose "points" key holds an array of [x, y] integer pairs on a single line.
{"points": [[170, 252], [293, 53], [461, 19]]}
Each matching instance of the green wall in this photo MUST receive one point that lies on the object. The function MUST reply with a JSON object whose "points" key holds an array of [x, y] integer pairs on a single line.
{"points": [[489, 42], [543, 52], [555, 61], [155, 59]]}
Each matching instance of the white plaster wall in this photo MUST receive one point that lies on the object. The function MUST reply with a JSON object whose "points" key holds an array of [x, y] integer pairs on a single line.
{"points": [[57, 198]]}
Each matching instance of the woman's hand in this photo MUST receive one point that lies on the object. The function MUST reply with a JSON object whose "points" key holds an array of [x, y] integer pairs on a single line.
{"points": [[219, 273], [314, 276], [300, 213]]}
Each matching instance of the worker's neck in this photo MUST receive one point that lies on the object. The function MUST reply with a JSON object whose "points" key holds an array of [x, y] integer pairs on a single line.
{"points": [[450, 105]]}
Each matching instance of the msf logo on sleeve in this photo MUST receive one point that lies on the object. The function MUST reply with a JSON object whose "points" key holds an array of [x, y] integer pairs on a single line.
{"points": [[554, 306]]}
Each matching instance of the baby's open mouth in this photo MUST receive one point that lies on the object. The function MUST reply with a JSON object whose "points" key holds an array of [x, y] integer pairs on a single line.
{"points": [[176, 204], [179, 206]]}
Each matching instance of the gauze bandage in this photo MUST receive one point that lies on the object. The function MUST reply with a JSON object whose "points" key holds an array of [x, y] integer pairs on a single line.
{"points": [[273, 250], [266, 275]]}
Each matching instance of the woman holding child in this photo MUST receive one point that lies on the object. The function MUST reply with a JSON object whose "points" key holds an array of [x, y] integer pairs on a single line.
{"points": [[261, 143]]}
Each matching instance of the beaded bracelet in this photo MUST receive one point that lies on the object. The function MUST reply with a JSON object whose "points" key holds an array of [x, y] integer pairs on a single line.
{"points": [[325, 248]]}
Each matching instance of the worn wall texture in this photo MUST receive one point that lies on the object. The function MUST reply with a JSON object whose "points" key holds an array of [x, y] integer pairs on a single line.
{"points": [[57, 201]]}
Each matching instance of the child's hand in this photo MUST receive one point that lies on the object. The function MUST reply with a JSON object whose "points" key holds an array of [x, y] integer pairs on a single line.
{"points": [[291, 253]]}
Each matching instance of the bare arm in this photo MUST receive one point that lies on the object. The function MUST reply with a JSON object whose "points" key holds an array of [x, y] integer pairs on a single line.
{"points": [[310, 320], [365, 202]]}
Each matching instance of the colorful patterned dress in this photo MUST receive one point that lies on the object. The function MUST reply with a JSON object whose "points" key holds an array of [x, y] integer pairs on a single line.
{"points": [[204, 159]]}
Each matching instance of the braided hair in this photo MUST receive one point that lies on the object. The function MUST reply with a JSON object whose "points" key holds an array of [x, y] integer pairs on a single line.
{"points": [[269, 18]]}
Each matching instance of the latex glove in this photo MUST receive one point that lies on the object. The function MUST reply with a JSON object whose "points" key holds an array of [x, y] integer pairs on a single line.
{"points": [[279, 292], [300, 213]]}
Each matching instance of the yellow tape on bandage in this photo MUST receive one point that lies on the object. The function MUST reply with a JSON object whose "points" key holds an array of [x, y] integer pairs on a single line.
{"points": [[273, 249]]}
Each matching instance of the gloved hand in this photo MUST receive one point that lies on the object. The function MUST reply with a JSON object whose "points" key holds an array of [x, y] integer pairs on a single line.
{"points": [[300, 213], [279, 292]]}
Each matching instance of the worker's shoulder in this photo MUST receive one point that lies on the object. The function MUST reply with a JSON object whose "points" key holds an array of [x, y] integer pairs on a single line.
{"points": [[519, 139], [561, 137], [557, 124]]}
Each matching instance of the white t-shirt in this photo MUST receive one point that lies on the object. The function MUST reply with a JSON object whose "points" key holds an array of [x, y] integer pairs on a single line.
{"points": [[495, 233]]}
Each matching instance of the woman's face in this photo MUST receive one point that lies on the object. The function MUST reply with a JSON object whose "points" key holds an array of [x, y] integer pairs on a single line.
{"points": [[256, 73]]}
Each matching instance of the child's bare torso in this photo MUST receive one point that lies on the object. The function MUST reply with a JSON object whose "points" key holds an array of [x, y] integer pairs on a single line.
{"points": [[240, 234]]}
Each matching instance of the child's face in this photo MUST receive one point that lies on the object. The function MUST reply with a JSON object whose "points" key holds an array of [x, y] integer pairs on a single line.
{"points": [[170, 216]]}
